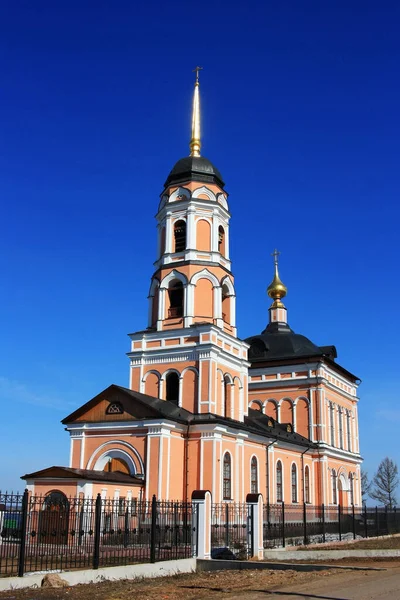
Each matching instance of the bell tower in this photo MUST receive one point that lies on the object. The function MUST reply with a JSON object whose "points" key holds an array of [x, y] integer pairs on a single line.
{"points": [[192, 300]]}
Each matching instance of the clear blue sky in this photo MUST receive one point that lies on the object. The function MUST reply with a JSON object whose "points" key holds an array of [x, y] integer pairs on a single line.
{"points": [[300, 104]]}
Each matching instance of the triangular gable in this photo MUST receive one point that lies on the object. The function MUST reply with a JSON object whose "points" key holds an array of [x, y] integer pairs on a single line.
{"points": [[115, 403]]}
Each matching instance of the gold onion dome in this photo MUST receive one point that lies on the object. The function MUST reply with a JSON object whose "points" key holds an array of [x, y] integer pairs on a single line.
{"points": [[276, 289]]}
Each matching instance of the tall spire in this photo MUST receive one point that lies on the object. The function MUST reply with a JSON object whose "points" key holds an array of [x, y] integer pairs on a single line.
{"points": [[277, 290], [195, 143]]}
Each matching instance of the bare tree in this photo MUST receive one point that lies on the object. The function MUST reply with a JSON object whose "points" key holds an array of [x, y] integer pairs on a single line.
{"points": [[365, 485], [385, 482]]}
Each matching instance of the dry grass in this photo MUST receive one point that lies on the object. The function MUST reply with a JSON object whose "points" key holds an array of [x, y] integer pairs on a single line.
{"points": [[180, 587]]}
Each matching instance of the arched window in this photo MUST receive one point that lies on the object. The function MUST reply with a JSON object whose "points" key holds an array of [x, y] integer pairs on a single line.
{"points": [[334, 487], [55, 501], [279, 497], [253, 476], [180, 236], [227, 475], [307, 485], [221, 240], [172, 388], [294, 483], [116, 465], [226, 304], [351, 485], [175, 293]]}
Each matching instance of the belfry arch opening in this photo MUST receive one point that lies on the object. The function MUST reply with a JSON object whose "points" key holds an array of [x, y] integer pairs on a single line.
{"points": [[221, 240], [175, 294], [226, 304], [180, 236], [172, 388]]}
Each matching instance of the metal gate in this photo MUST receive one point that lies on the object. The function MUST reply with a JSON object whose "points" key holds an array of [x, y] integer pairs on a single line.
{"points": [[232, 530]]}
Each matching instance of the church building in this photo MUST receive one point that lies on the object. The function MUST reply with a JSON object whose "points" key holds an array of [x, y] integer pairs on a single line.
{"points": [[205, 410]]}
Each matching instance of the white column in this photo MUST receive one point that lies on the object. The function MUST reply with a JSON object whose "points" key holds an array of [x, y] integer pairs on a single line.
{"points": [[202, 503], [311, 417], [214, 233], [217, 291], [256, 508], [226, 229], [233, 311], [161, 306], [190, 229], [168, 234], [180, 390]]}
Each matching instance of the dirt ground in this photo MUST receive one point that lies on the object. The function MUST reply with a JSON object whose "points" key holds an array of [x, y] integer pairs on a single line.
{"points": [[195, 586]]}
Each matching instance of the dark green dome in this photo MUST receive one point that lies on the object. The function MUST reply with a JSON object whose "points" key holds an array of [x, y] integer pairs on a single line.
{"points": [[194, 168]]}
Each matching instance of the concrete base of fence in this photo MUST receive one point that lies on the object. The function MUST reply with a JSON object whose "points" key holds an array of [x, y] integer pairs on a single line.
{"points": [[148, 570], [282, 554], [239, 565]]}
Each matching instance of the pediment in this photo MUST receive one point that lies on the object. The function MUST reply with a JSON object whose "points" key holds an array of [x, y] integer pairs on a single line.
{"points": [[111, 405]]}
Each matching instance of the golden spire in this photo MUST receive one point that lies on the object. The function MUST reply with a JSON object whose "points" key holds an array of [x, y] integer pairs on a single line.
{"points": [[195, 143], [276, 289]]}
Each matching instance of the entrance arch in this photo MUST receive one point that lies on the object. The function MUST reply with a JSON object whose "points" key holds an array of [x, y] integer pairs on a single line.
{"points": [[54, 518]]}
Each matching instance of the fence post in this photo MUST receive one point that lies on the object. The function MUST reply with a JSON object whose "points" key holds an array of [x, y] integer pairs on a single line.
{"points": [[305, 523], [354, 521], [202, 505], [255, 507], [227, 525], [153, 529], [377, 521], [365, 521], [97, 526], [126, 527], [24, 521], [283, 525], [339, 524], [323, 522]]}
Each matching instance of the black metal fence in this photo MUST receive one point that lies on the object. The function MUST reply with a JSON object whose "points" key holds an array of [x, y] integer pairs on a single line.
{"points": [[231, 527], [75, 533], [301, 524]]}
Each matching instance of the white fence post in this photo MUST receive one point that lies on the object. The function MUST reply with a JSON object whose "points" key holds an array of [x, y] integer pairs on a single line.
{"points": [[255, 501], [202, 501]]}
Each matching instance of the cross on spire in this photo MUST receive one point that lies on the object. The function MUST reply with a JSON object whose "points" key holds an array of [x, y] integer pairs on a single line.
{"points": [[196, 70], [275, 254]]}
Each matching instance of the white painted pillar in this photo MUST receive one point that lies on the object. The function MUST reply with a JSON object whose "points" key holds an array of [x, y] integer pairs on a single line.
{"points": [[168, 234], [190, 229], [256, 505], [180, 398], [201, 501], [161, 307], [214, 233], [311, 418]]}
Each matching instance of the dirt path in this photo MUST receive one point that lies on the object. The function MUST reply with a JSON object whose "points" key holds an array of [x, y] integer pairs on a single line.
{"points": [[349, 585], [331, 584]]}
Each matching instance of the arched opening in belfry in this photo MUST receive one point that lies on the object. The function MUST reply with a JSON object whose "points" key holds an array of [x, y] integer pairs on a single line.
{"points": [[172, 388], [226, 304], [175, 294], [162, 241], [221, 240], [227, 397], [180, 235]]}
